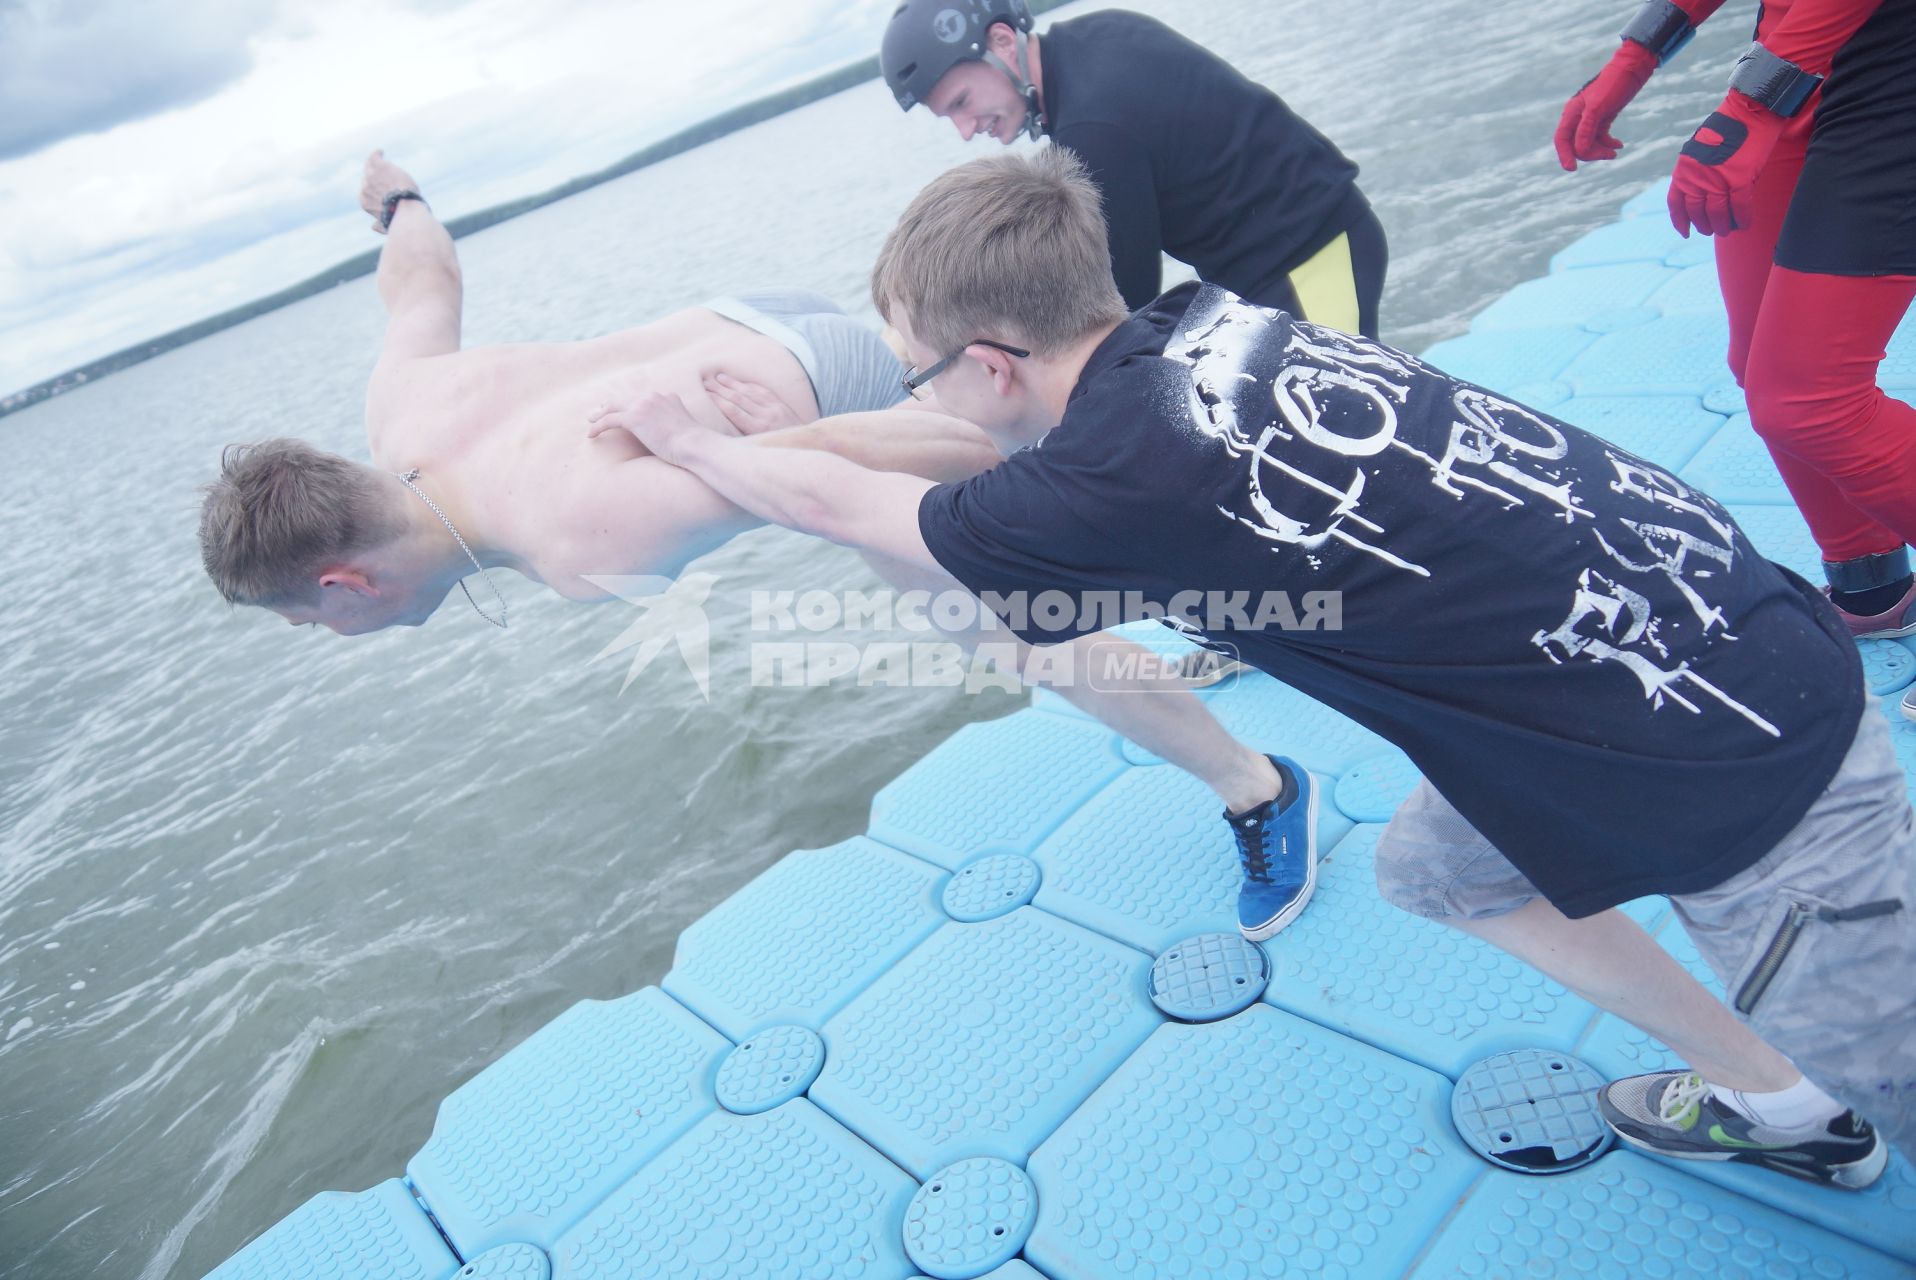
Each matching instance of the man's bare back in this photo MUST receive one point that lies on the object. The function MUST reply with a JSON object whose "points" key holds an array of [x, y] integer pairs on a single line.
{"points": [[503, 424], [502, 428]]}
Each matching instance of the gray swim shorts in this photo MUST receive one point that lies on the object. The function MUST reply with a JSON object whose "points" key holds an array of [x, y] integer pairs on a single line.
{"points": [[851, 368], [1815, 944]]}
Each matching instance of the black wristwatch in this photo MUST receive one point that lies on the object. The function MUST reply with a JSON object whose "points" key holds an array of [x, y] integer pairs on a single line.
{"points": [[390, 206]]}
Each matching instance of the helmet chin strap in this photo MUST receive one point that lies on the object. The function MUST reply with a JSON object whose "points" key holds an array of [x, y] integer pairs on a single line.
{"points": [[1033, 126]]}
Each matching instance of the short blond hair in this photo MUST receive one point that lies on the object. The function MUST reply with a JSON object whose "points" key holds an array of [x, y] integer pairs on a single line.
{"points": [[1011, 247], [280, 512]]}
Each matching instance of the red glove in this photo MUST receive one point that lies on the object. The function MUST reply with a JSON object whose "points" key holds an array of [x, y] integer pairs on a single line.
{"points": [[1583, 132], [1714, 186]]}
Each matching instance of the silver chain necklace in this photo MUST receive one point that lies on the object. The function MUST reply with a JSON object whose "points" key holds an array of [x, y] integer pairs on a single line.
{"points": [[499, 621]]}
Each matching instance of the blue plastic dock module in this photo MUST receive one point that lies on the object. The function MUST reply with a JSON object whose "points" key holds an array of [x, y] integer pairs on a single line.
{"points": [[1668, 356], [1209, 976], [1627, 1217], [1634, 239], [1735, 466], [1693, 291], [1532, 1111], [994, 885], [1013, 1270], [380, 1233], [1645, 238], [1149, 860], [1412, 987], [1505, 360], [970, 1217], [1574, 295], [522, 1150], [772, 1066], [509, 1262], [1257, 1146], [1666, 430], [786, 1193], [1779, 534], [998, 787], [806, 936], [1888, 665], [983, 1039]]}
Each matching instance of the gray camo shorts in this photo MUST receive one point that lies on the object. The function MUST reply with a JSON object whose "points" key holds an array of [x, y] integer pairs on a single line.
{"points": [[1815, 944], [850, 367]]}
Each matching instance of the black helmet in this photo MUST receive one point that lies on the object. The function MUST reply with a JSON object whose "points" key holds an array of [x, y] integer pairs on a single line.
{"points": [[927, 38]]}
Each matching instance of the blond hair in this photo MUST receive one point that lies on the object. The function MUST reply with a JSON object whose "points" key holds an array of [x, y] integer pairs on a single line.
{"points": [[1011, 247], [280, 512]]}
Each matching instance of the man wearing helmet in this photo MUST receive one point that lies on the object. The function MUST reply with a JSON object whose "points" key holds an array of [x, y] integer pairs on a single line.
{"points": [[1269, 209]]}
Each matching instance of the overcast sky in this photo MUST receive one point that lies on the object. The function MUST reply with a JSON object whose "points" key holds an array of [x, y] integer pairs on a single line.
{"points": [[163, 160]]}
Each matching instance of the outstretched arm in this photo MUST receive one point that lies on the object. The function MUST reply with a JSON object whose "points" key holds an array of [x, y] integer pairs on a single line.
{"points": [[907, 437], [418, 269], [916, 442], [809, 490]]}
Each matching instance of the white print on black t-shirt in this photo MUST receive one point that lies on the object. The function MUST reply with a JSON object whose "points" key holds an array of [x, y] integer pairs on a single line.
{"points": [[1624, 617], [1217, 354], [1494, 448]]}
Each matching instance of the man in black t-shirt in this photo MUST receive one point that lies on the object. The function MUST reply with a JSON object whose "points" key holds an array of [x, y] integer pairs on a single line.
{"points": [[1609, 692], [1194, 159]]}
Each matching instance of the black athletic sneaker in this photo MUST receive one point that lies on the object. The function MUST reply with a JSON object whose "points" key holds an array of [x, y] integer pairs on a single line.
{"points": [[1673, 1113]]}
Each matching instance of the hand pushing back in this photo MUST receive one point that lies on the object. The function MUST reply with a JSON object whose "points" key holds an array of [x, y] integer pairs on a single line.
{"points": [[654, 420], [749, 407]]}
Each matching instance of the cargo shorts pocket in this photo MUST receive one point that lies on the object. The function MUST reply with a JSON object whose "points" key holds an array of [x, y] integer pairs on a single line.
{"points": [[1801, 949]]}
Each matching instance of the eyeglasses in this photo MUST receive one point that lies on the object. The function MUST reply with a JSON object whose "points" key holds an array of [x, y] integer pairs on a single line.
{"points": [[916, 378]]}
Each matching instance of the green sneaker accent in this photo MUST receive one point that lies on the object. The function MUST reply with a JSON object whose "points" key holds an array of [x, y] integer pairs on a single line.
{"points": [[1717, 1135]]}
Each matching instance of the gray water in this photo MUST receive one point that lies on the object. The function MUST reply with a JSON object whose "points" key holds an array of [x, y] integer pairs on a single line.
{"points": [[267, 895]]}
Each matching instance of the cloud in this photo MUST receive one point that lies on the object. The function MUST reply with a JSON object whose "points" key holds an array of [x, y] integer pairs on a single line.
{"points": [[126, 232], [70, 67]]}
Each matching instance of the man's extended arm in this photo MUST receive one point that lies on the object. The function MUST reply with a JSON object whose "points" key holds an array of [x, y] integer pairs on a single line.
{"points": [[918, 442], [418, 268], [809, 490], [909, 436]]}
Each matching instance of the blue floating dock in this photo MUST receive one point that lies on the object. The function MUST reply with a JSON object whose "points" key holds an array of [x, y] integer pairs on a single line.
{"points": [[933, 1050]]}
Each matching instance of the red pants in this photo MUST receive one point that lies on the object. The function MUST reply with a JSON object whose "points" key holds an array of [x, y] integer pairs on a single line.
{"points": [[1805, 349]]}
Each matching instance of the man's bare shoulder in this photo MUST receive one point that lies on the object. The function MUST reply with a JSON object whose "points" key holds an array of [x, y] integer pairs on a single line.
{"points": [[465, 393]]}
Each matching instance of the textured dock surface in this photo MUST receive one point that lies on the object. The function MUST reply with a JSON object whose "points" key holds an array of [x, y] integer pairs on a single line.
{"points": [[933, 1050]]}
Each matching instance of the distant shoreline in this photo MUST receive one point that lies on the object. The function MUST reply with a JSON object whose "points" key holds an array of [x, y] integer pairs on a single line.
{"points": [[730, 121]]}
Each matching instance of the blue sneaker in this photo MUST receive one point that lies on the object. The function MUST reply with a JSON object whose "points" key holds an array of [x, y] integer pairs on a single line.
{"points": [[1277, 843]]}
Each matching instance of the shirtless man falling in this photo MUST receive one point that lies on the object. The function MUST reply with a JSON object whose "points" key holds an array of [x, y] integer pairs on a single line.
{"points": [[481, 460], [492, 439]]}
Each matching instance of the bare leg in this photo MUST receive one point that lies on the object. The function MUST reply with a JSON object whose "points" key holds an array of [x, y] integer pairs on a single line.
{"points": [[1610, 961], [1167, 719], [1160, 715]]}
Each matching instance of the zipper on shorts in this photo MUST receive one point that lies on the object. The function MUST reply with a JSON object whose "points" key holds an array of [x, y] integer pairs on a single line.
{"points": [[1800, 914]]}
